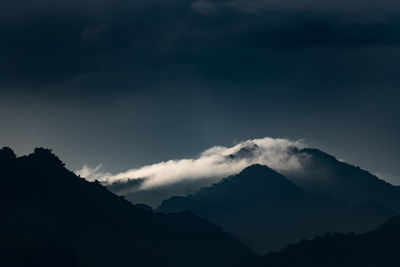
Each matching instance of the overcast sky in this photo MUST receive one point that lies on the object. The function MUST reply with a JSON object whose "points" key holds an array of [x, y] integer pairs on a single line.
{"points": [[131, 82]]}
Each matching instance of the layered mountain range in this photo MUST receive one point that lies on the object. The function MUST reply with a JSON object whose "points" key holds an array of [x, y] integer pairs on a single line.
{"points": [[267, 211], [323, 215]]}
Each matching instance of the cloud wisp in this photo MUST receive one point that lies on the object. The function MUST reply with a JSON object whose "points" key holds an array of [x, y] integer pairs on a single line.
{"points": [[212, 164], [370, 9]]}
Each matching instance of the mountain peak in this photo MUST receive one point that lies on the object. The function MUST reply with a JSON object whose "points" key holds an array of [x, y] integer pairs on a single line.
{"points": [[7, 153], [257, 179], [46, 156], [257, 169]]}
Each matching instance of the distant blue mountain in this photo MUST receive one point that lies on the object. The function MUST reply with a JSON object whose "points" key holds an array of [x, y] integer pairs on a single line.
{"points": [[323, 174], [267, 211]]}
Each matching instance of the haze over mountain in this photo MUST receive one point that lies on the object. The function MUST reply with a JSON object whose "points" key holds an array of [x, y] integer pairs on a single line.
{"points": [[51, 217], [325, 175], [267, 211], [311, 169]]}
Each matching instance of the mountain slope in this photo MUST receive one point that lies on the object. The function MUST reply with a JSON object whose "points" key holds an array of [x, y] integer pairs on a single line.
{"points": [[50, 217], [325, 175], [375, 249], [267, 212]]}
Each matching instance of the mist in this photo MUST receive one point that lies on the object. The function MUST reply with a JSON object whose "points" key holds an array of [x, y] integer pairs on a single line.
{"points": [[182, 176]]}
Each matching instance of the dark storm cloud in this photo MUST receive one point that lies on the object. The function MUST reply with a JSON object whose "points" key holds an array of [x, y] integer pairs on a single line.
{"points": [[131, 82], [366, 10], [136, 45]]}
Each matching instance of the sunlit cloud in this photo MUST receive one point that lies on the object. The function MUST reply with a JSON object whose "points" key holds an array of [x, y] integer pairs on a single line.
{"points": [[212, 164]]}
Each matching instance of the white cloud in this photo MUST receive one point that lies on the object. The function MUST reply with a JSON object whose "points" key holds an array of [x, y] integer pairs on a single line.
{"points": [[92, 174], [216, 162]]}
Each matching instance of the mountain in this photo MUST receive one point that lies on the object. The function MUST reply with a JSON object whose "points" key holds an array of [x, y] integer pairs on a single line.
{"points": [[267, 211], [51, 217], [374, 249], [323, 174]]}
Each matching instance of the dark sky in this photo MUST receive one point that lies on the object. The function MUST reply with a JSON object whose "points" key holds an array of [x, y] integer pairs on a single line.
{"points": [[132, 82]]}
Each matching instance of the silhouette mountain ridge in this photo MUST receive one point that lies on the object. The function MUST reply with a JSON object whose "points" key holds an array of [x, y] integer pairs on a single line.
{"points": [[51, 217], [374, 248]]}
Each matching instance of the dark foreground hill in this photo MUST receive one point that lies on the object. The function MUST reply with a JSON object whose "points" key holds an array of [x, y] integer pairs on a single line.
{"points": [[268, 212], [376, 248], [51, 217]]}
